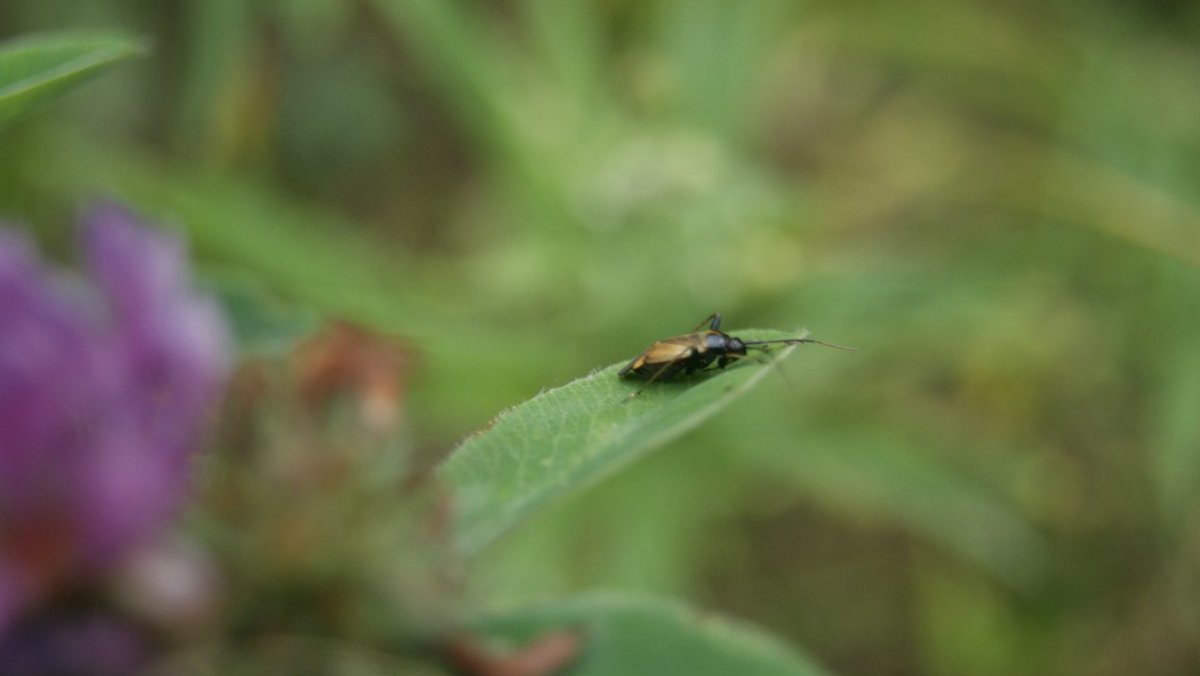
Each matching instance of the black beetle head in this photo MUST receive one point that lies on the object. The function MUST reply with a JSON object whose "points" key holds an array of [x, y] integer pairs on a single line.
{"points": [[735, 346]]}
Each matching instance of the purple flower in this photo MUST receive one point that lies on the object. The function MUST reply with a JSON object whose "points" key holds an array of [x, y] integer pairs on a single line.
{"points": [[104, 390]]}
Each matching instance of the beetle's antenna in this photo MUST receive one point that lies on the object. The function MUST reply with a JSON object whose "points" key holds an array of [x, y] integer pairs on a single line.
{"points": [[798, 341]]}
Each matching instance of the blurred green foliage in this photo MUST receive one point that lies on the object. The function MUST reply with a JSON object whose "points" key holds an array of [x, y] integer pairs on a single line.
{"points": [[998, 203], [37, 69]]}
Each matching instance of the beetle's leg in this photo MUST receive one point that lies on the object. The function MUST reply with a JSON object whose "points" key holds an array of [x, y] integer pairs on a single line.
{"points": [[728, 359], [713, 321], [666, 365], [695, 363]]}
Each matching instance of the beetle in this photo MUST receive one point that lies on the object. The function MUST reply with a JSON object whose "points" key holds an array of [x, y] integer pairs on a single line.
{"points": [[697, 350]]}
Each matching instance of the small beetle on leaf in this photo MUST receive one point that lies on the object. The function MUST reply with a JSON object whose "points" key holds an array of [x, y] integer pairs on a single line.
{"points": [[697, 350]]}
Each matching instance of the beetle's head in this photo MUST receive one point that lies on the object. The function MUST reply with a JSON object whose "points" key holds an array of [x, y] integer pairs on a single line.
{"points": [[735, 346]]}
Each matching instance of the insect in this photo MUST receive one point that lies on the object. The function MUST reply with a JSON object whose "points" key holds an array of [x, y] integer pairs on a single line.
{"points": [[697, 351]]}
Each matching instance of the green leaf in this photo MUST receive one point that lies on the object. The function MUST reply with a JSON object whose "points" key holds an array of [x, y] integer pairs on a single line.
{"points": [[625, 634], [37, 69], [567, 438]]}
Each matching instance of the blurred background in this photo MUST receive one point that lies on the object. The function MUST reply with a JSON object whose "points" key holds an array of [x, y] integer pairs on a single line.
{"points": [[997, 203]]}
